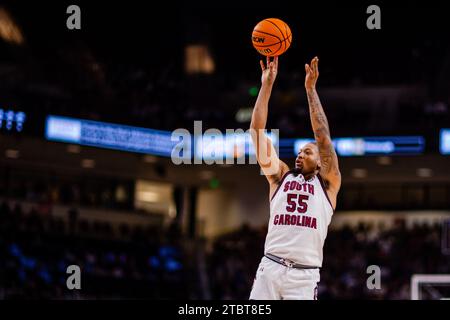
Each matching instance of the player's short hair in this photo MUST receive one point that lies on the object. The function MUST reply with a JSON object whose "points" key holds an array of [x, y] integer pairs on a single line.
{"points": [[314, 143]]}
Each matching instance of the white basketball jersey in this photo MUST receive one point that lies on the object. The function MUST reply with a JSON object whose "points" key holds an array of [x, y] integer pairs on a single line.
{"points": [[300, 213]]}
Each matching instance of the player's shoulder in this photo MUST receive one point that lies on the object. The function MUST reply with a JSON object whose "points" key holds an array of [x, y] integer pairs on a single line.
{"points": [[286, 173], [329, 186], [279, 176], [276, 184], [328, 190]]}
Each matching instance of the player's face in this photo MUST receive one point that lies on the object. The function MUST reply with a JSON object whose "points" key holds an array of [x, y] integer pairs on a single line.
{"points": [[307, 159]]}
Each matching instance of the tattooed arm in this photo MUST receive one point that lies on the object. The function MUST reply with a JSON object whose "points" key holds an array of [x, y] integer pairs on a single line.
{"points": [[329, 166]]}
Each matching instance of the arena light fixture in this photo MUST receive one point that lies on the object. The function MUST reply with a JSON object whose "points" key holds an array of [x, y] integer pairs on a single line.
{"points": [[148, 196], [88, 163], [359, 173], [150, 159], [9, 30], [206, 175], [444, 141], [12, 153], [73, 148], [424, 172], [198, 59], [384, 161]]}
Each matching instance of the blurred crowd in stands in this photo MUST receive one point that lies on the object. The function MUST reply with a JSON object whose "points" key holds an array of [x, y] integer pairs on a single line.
{"points": [[152, 263], [36, 250], [399, 252], [92, 191], [108, 193]]}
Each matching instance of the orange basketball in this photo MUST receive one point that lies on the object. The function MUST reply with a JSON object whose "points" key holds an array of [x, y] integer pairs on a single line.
{"points": [[271, 37]]}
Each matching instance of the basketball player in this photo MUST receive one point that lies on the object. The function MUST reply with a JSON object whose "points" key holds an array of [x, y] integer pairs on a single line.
{"points": [[302, 199]]}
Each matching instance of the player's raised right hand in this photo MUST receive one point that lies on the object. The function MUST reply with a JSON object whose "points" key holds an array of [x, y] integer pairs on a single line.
{"points": [[269, 71]]}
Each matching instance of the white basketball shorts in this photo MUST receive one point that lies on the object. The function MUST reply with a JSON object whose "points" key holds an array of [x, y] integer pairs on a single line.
{"points": [[274, 281]]}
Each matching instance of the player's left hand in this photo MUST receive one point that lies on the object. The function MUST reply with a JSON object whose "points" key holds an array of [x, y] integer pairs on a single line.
{"points": [[312, 73]]}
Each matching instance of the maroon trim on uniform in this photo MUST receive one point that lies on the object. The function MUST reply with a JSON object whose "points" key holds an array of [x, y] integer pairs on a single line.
{"points": [[324, 189], [281, 183]]}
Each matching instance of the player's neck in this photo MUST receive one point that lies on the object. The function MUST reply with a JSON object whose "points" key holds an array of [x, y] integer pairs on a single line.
{"points": [[309, 176]]}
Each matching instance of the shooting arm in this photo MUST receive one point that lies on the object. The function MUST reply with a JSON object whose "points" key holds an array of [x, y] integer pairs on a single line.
{"points": [[266, 155]]}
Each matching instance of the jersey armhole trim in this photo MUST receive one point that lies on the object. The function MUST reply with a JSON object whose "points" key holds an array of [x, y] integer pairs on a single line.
{"points": [[324, 190], [281, 183]]}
